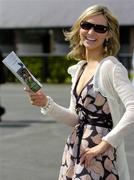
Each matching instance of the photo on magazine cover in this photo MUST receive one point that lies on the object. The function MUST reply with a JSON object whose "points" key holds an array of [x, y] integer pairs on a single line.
{"points": [[26, 76], [16, 66]]}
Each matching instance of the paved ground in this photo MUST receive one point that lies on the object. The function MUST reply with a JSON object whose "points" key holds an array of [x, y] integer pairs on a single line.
{"points": [[31, 145]]}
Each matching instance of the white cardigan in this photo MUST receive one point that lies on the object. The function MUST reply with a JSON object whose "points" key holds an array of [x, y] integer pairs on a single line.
{"points": [[111, 80]]}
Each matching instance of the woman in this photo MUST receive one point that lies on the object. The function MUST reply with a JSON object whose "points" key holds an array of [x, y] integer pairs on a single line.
{"points": [[102, 101]]}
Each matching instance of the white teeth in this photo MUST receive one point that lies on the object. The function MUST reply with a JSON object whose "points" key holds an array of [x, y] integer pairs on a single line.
{"points": [[91, 39]]}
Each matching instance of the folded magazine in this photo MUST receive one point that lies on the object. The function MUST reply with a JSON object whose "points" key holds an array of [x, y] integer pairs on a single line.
{"points": [[16, 66]]}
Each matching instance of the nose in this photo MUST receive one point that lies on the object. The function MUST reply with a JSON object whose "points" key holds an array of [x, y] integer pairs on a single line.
{"points": [[90, 31]]}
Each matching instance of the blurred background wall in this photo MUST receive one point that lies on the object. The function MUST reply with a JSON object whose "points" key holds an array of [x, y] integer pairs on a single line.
{"points": [[34, 29]]}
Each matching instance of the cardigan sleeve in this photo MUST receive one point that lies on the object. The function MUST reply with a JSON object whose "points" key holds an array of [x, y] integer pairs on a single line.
{"points": [[62, 114], [125, 91]]}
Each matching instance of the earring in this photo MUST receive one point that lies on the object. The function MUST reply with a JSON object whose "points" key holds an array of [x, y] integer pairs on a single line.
{"points": [[106, 44]]}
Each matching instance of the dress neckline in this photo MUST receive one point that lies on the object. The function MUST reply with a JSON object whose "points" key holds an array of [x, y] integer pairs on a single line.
{"points": [[75, 88]]}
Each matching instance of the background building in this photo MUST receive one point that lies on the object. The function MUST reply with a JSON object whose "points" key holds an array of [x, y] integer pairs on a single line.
{"points": [[35, 26]]}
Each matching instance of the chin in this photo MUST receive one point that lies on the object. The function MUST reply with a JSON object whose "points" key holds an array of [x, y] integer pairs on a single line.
{"points": [[92, 47]]}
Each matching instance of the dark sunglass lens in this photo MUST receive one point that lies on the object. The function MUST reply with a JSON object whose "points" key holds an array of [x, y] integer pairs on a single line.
{"points": [[86, 25], [100, 28], [97, 28]]}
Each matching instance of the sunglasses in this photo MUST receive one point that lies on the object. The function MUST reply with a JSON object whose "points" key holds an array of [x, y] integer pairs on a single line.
{"points": [[97, 28]]}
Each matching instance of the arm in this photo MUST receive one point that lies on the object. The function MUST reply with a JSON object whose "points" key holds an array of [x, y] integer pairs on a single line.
{"points": [[125, 92], [60, 113], [54, 110], [63, 114], [116, 83]]}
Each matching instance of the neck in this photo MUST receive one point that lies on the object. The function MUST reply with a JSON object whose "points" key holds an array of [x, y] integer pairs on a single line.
{"points": [[93, 56]]}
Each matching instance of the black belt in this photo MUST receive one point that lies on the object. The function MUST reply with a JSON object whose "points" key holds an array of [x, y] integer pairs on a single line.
{"points": [[90, 118]]}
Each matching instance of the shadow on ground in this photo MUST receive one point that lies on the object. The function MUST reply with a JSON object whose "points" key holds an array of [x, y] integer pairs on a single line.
{"points": [[22, 123]]}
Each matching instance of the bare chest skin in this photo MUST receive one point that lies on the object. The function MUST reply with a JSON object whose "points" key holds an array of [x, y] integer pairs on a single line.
{"points": [[86, 76]]}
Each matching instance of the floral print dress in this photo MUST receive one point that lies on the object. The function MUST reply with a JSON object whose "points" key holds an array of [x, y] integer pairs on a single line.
{"points": [[94, 122]]}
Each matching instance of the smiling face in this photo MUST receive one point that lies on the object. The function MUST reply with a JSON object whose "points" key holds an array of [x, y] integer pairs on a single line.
{"points": [[91, 39]]}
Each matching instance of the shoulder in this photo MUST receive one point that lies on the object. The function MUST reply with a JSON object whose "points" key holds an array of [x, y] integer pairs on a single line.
{"points": [[74, 68], [107, 72], [110, 65], [109, 62]]}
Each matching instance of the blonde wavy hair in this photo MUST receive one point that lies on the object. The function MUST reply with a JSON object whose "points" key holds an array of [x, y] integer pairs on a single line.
{"points": [[77, 49]]}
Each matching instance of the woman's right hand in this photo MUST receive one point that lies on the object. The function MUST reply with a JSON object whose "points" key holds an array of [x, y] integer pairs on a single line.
{"points": [[38, 99]]}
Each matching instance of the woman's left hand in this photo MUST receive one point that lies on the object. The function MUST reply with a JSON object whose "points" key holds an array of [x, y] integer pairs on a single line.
{"points": [[90, 153]]}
